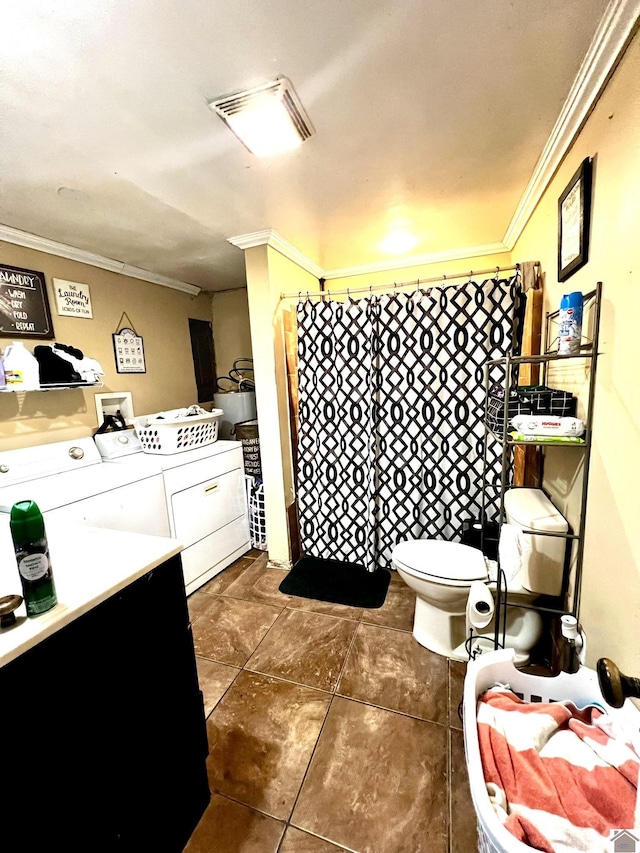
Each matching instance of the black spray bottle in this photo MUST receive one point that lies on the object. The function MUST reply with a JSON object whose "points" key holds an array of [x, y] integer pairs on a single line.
{"points": [[32, 556]]}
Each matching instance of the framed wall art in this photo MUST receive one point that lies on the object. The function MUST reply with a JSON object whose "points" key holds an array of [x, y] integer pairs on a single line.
{"points": [[24, 304], [574, 220], [128, 349]]}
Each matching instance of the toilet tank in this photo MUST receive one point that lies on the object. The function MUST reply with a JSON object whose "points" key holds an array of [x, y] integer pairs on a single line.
{"points": [[542, 564]]}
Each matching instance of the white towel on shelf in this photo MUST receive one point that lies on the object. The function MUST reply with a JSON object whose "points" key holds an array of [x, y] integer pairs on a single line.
{"points": [[514, 547]]}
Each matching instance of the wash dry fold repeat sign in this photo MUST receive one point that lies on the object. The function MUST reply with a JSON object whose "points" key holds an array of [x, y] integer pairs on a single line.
{"points": [[24, 306]]}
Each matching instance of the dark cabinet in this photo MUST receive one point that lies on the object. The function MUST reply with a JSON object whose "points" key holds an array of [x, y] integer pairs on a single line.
{"points": [[103, 729]]}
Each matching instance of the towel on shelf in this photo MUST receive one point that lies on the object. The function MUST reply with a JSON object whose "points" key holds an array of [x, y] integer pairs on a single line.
{"points": [[89, 369], [514, 548], [54, 370], [559, 778]]}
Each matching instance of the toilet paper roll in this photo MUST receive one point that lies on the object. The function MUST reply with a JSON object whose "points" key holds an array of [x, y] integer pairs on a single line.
{"points": [[480, 606]]}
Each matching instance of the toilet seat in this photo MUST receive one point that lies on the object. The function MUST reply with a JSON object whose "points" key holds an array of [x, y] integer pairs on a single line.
{"points": [[435, 560]]}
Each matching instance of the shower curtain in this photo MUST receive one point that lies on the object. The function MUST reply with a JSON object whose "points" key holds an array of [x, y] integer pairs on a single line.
{"points": [[391, 403]]}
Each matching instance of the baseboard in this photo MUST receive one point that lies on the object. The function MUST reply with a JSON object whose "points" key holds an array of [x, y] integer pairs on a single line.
{"points": [[284, 565]]}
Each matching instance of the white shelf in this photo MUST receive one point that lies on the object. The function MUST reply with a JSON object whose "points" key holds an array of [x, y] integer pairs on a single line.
{"points": [[56, 386]]}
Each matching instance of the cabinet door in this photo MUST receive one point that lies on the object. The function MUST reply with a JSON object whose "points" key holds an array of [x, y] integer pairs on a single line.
{"points": [[108, 742], [157, 709], [59, 744]]}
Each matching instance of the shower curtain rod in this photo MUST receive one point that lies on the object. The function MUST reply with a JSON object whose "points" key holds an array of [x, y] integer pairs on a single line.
{"points": [[442, 279]]}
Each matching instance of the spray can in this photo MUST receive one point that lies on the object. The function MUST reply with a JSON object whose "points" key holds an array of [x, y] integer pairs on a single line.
{"points": [[32, 555], [570, 317]]}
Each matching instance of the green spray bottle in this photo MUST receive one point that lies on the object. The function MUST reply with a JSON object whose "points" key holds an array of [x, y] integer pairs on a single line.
{"points": [[32, 555]]}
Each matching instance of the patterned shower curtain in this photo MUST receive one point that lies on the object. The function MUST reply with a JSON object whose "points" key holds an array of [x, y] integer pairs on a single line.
{"points": [[391, 403]]}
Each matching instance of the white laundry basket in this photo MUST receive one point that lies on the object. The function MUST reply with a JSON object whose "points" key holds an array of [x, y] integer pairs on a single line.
{"points": [[257, 519], [495, 667], [175, 434]]}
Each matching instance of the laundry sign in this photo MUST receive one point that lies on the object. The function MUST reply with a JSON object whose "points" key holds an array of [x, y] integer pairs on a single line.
{"points": [[128, 348], [24, 305], [72, 298]]}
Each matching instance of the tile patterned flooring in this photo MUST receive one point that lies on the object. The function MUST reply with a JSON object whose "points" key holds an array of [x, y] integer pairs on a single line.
{"points": [[329, 727]]}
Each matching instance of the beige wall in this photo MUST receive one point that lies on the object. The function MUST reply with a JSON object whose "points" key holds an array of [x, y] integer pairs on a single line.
{"points": [[268, 275], [231, 328], [610, 609], [158, 313]]}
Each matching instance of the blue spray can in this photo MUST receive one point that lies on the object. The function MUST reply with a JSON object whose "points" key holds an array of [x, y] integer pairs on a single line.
{"points": [[570, 317]]}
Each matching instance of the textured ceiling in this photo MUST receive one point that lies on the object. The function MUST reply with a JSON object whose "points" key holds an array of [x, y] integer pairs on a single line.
{"points": [[429, 117]]}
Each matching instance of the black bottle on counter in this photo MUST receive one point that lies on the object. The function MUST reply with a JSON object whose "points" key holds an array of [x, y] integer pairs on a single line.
{"points": [[32, 555]]}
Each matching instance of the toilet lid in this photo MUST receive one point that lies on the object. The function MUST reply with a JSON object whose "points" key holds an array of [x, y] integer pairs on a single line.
{"points": [[448, 561]]}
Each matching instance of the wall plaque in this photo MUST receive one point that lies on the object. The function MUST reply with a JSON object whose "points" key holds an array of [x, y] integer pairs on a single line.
{"points": [[24, 305], [128, 349], [72, 298]]}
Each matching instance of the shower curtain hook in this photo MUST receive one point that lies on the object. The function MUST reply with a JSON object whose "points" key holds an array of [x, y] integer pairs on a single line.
{"points": [[470, 274]]}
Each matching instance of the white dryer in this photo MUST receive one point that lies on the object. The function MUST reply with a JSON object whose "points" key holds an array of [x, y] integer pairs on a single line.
{"points": [[205, 498]]}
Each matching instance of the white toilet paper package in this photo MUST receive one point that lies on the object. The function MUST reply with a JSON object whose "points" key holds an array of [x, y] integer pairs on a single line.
{"points": [[547, 425]]}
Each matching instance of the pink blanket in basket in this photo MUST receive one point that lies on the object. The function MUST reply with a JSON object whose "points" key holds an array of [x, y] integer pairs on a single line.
{"points": [[559, 778]]}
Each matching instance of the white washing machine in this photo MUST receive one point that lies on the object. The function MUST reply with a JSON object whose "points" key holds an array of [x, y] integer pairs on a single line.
{"points": [[205, 495], [69, 482]]}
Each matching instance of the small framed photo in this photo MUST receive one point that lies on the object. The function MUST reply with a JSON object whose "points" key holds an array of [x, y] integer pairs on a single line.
{"points": [[574, 218], [128, 349]]}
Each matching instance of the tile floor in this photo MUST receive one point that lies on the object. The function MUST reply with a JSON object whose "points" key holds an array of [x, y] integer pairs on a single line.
{"points": [[329, 727]]}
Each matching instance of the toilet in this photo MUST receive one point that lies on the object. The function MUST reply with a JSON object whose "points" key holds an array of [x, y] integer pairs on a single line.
{"points": [[441, 574]]}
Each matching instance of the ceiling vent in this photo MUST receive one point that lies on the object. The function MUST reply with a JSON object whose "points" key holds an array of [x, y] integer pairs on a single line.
{"points": [[267, 119]]}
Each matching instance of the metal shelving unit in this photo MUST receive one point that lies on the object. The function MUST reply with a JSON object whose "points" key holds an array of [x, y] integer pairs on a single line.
{"points": [[510, 365]]}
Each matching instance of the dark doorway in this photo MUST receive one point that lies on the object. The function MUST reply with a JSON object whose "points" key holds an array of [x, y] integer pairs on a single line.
{"points": [[204, 358]]}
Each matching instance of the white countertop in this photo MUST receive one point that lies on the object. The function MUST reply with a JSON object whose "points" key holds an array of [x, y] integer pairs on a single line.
{"points": [[89, 565]]}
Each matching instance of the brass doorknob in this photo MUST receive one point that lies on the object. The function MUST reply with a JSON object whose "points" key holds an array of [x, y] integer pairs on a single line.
{"points": [[615, 686], [8, 605]]}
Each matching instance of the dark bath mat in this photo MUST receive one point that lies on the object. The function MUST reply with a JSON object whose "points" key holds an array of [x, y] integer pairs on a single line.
{"points": [[337, 582]]}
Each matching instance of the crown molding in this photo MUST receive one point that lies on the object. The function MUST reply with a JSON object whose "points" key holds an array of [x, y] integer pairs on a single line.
{"points": [[276, 241], [271, 238], [419, 260], [614, 31], [62, 250]]}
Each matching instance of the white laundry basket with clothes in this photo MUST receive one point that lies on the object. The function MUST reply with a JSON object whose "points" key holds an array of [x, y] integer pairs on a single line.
{"points": [[581, 688]]}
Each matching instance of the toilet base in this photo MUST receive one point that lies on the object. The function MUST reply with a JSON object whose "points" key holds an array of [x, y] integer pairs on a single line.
{"points": [[443, 632], [438, 630]]}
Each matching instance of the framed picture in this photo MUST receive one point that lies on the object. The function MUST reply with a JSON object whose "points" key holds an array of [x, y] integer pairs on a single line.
{"points": [[574, 217], [24, 304], [128, 349]]}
